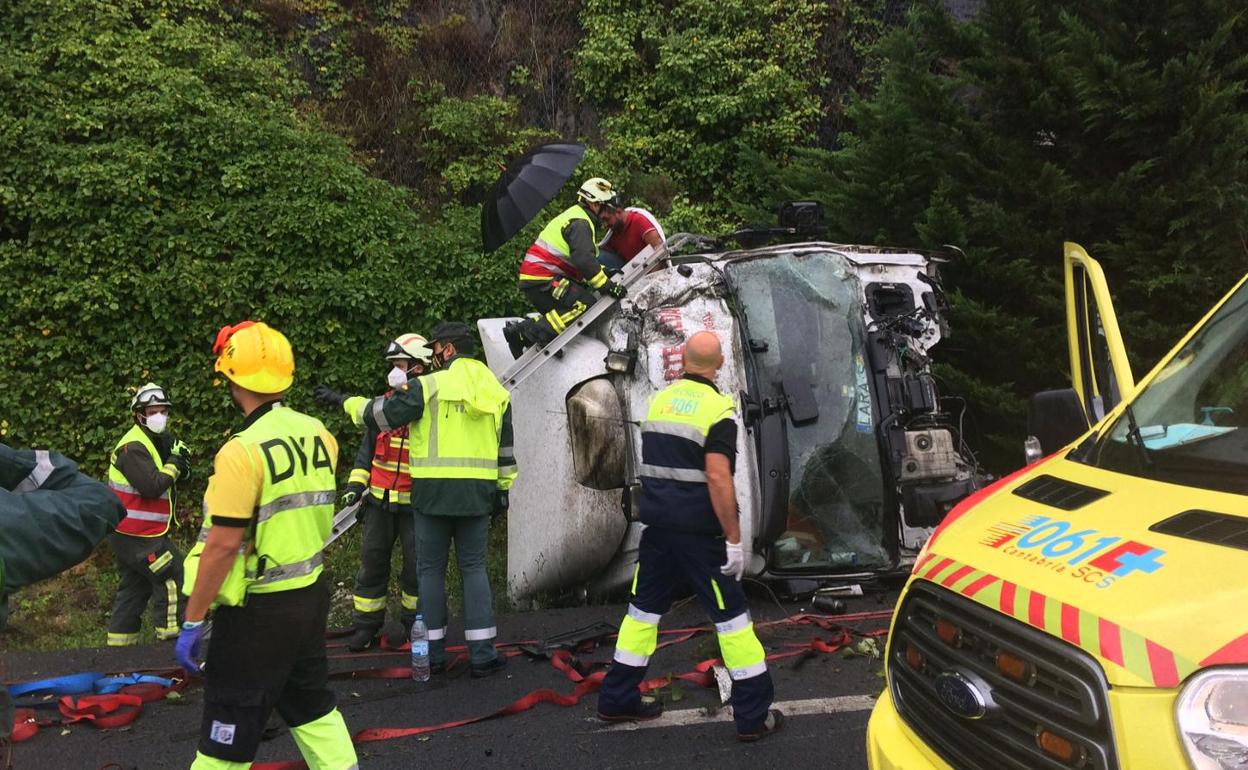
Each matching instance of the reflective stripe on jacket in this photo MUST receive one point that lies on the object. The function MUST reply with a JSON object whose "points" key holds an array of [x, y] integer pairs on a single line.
{"points": [[674, 493], [145, 516]]}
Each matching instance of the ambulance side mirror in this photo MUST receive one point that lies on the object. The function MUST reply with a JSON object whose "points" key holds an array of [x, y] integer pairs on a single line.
{"points": [[1055, 418]]}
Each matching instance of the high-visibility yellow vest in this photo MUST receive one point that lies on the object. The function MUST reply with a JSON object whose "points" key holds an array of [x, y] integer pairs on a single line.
{"points": [[673, 456], [293, 517], [458, 436], [145, 516], [548, 256]]}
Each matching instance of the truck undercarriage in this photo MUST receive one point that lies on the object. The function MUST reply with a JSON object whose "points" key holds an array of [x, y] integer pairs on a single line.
{"points": [[847, 459]]}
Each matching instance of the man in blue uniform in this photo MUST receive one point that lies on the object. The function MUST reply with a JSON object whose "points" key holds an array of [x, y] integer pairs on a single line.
{"points": [[689, 507]]}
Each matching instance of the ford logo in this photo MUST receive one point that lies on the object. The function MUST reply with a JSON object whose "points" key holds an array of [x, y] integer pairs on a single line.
{"points": [[962, 696]]}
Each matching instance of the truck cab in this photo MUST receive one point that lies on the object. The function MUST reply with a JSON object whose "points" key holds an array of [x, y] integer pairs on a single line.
{"points": [[1088, 611], [847, 459]]}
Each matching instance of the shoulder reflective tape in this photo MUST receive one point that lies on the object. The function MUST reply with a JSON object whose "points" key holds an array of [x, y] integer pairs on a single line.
{"points": [[39, 476], [679, 429], [692, 475], [437, 634], [480, 634], [747, 672], [379, 414], [286, 571], [739, 623], [651, 618], [296, 500]]}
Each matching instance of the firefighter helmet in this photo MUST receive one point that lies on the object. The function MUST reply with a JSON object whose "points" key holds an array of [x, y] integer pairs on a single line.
{"points": [[411, 346], [255, 356], [598, 190], [150, 394]]}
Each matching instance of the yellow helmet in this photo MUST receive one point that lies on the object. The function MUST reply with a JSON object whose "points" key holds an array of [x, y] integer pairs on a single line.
{"points": [[255, 356]]}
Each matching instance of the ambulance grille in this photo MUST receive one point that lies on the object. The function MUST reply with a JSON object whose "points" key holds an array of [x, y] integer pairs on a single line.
{"points": [[1207, 527], [1066, 694], [1059, 493]]}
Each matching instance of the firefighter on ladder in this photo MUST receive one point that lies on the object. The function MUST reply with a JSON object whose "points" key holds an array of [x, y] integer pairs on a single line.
{"points": [[142, 471], [560, 271], [689, 506], [382, 481], [268, 509]]}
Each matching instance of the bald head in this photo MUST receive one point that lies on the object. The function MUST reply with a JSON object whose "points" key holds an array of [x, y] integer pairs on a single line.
{"points": [[703, 354]]}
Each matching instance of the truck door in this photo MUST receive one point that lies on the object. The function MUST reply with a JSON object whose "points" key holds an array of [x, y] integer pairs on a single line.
{"points": [[1099, 371]]}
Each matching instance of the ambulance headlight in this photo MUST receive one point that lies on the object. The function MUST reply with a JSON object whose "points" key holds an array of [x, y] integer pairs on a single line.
{"points": [[1212, 713]]}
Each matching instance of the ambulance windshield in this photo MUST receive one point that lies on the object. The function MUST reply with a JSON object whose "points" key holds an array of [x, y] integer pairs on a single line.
{"points": [[804, 317], [1188, 418]]}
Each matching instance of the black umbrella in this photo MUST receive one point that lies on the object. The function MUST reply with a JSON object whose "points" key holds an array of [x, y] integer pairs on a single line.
{"points": [[526, 186]]}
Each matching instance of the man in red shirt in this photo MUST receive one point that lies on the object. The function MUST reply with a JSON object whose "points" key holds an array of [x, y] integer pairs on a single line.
{"points": [[630, 230]]}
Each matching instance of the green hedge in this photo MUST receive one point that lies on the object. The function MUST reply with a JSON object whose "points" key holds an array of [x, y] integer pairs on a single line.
{"points": [[159, 181]]}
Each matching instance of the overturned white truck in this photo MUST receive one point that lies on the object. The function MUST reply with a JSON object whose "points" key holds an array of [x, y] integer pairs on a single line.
{"points": [[846, 459]]}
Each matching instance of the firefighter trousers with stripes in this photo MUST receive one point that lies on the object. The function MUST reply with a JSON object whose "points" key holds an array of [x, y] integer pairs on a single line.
{"points": [[150, 568], [384, 525], [666, 557]]}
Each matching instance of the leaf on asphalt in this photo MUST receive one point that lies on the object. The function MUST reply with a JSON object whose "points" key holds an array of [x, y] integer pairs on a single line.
{"points": [[173, 695], [65, 731], [424, 738]]}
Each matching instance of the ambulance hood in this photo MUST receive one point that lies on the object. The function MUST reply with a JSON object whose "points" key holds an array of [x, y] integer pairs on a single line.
{"points": [[1075, 551]]}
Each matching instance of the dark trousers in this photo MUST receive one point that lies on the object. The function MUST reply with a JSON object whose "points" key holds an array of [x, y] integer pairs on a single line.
{"points": [[383, 526], [267, 654], [150, 568], [560, 301], [470, 535], [665, 556]]}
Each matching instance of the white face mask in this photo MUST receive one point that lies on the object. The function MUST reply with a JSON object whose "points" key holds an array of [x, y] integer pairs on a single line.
{"points": [[156, 422], [396, 377]]}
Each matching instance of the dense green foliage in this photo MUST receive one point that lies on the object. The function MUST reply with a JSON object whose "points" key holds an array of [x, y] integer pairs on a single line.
{"points": [[1119, 124], [158, 182]]}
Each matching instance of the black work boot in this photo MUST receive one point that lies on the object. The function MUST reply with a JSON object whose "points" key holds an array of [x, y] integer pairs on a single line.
{"points": [[772, 724], [489, 669], [514, 334], [361, 639], [650, 708]]}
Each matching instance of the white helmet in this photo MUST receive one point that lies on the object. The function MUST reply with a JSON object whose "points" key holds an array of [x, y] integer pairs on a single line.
{"points": [[411, 346], [150, 394], [598, 190]]}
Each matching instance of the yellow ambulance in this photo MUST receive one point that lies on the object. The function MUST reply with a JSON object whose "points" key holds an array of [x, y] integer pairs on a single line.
{"points": [[1091, 610]]}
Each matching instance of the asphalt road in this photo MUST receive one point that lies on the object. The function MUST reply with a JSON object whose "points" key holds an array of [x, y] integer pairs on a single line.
{"points": [[827, 696]]}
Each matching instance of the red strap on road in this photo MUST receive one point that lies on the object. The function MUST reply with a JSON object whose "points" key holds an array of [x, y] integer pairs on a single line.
{"points": [[103, 711]]}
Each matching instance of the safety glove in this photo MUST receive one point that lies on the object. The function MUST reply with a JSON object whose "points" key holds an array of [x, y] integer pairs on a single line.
{"points": [[180, 448], [615, 289], [327, 395], [351, 495], [735, 566], [187, 648], [501, 503], [183, 466]]}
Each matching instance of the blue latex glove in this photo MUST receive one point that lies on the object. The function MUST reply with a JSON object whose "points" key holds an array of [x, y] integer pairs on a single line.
{"points": [[187, 648]]}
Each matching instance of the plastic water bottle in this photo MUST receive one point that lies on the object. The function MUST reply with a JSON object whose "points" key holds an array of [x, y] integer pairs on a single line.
{"points": [[420, 650]]}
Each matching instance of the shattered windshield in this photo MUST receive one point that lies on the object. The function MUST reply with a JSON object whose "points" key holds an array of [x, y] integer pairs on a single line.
{"points": [[1188, 418], [804, 319]]}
